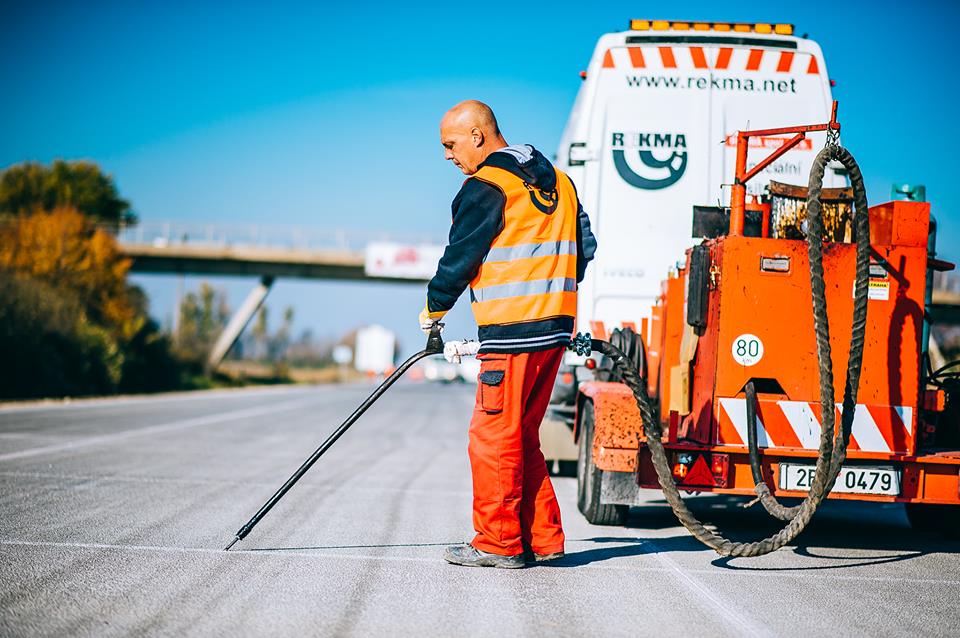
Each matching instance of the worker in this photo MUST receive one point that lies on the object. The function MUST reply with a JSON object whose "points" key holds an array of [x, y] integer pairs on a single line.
{"points": [[521, 241]]}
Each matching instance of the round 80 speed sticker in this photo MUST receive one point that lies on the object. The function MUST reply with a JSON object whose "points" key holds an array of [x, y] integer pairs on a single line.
{"points": [[747, 349]]}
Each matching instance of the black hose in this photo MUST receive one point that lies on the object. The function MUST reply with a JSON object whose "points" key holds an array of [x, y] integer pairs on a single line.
{"points": [[769, 502], [831, 454], [434, 346]]}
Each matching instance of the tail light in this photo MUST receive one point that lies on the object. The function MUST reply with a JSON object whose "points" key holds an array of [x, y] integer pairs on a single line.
{"points": [[682, 467], [720, 466], [701, 470]]}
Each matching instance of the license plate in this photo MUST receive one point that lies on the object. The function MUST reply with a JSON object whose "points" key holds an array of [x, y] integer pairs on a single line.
{"points": [[882, 479]]}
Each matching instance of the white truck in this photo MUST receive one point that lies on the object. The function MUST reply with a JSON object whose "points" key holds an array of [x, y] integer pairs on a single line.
{"points": [[376, 350], [653, 133]]}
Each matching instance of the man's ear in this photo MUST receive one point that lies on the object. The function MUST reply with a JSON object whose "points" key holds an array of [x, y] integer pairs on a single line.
{"points": [[476, 135]]}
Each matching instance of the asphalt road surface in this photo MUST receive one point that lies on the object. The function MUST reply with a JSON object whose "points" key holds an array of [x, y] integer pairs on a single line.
{"points": [[115, 515]]}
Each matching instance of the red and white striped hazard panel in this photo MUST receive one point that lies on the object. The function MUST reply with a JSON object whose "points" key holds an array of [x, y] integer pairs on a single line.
{"points": [[796, 424], [710, 58]]}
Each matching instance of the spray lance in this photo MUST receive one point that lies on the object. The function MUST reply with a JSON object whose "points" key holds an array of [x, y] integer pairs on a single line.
{"points": [[452, 350]]}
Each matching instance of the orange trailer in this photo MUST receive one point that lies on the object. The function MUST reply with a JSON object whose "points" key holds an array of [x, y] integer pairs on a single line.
{"points": [[738, 310]]}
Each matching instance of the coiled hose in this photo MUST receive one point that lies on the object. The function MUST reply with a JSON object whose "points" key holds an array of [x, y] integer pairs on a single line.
{"points": [[831, 452]]}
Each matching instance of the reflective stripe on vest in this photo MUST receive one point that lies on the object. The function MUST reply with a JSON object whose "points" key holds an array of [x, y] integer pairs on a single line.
{"points": [[530, 271], [525, 251], [519, 289]]}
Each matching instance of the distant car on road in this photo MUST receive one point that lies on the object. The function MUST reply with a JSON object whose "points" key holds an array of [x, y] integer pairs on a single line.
{"points": [[439, 369]]}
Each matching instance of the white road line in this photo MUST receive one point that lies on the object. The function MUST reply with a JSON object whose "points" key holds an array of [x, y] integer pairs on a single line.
{"points": [[273, 554], [207, 550], [669, 565], [146, 399], [698, 589], [162, 428], [163, 480]]}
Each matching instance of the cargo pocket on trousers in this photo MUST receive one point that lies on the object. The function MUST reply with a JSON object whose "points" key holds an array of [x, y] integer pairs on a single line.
{"points": [[491, 391]]}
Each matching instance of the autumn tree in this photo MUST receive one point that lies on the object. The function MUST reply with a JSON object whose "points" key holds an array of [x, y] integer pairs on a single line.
{"points": [[64, 249], [70, 324], [27, 187]]}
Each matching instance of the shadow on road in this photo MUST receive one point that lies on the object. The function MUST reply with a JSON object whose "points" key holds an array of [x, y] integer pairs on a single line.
{"points": [[303, 549], [626, 548], [879, 529], [838, 525]]}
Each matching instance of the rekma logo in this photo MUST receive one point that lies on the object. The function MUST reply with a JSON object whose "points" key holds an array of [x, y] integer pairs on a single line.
{"points": [[544, 200], [650, 147]]}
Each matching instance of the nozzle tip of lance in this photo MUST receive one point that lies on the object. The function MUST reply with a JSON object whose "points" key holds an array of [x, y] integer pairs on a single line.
{"points": [[232, 543]]}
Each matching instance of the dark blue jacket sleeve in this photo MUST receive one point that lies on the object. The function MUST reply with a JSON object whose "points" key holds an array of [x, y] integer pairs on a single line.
{"points": [[477, 220], [586, 241]]}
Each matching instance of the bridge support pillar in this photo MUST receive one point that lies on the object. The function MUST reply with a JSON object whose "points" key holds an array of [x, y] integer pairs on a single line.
{"points": [[238, 322]]}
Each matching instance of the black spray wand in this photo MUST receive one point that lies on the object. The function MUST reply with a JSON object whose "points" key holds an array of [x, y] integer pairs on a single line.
{"points": [[434, 346]]}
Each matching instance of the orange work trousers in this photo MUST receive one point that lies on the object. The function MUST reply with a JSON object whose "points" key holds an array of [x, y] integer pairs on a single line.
{"points": [[514, 506]]}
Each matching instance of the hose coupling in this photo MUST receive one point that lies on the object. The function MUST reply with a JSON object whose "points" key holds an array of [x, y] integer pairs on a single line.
{"points": [[581, 344]]}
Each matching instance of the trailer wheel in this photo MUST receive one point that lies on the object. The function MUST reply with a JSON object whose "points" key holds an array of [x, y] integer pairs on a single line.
{"points": [[588, 478], [943, 519], [630, 343]]}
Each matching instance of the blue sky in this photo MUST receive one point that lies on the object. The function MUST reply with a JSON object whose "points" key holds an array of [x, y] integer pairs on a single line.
{"points": [[304, 115]]}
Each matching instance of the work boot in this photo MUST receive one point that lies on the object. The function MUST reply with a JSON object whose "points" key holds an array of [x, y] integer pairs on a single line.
{"points": [[530, 556], [470, 556]]}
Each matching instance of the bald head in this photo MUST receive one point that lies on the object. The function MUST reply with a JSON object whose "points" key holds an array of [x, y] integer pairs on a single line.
{"points": [[469, 133], [472, 113]]}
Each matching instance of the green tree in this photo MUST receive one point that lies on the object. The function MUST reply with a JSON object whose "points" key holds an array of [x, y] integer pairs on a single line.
{"points": [[149, 364], [27, 187], [280, 342], [70, 324], [259, 333], [49, 346], [203, 315]]}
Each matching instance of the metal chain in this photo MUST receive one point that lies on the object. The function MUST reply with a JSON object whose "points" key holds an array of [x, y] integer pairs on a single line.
{"points": [[833, 137]]}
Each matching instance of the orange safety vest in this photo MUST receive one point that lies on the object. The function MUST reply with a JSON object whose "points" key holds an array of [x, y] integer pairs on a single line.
{"points": [[530, 272]]}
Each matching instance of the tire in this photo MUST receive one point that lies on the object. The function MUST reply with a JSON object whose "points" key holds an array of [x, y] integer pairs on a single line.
{"points": [[588, 478], [632, 345], [942, 519]]}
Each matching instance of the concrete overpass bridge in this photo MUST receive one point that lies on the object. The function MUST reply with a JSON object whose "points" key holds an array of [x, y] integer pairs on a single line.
{"points": [[265, 251], [271, 252]]}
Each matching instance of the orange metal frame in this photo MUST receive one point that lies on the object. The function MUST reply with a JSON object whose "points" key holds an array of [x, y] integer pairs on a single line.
{"points": [[738, 193]]}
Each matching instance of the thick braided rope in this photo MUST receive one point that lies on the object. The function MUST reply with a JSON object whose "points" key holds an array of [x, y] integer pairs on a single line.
{"points": [[721, 545], [828, 464], [862, 238]]}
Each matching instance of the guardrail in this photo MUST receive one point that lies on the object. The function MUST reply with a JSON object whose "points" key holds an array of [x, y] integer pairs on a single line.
{"points": [[160, 234]]}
